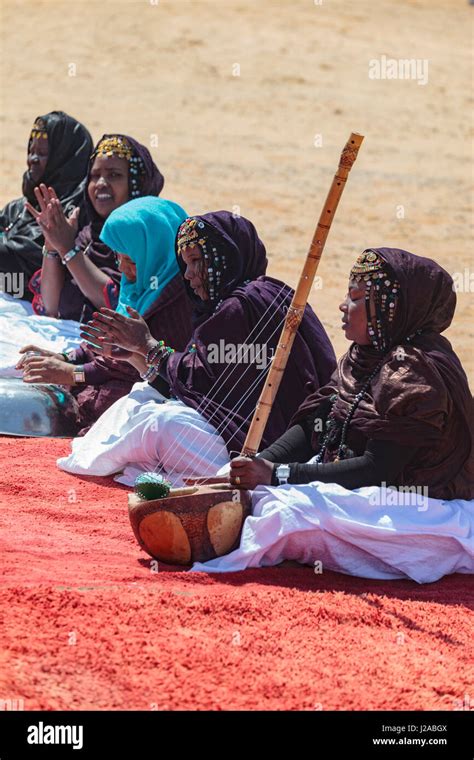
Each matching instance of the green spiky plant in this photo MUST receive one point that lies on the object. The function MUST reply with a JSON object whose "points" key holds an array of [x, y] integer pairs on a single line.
{"points": [[151, 486]]}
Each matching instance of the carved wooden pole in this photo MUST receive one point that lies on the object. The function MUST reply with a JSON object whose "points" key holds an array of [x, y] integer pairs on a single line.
{"points": [[298, 304]]}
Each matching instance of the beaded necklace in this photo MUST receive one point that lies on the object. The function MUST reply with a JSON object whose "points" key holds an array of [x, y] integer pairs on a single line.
{"points": [[330, 423]]}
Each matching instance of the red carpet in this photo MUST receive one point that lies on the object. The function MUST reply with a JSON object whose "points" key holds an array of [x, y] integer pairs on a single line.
{"points": [[87, 625]]}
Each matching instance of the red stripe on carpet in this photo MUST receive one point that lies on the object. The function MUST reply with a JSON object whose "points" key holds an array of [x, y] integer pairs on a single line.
{"points": [[87, 625]]}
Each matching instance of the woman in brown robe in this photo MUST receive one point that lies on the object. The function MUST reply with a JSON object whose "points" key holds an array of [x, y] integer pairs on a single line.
{"points": [[398, 408]]}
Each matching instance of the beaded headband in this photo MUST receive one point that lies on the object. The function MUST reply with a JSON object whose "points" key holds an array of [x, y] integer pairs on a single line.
{"points": [[39, 130], [366, 262], [370, 268], [120, 147], [188, 235], [193, 232], [114, 146]]}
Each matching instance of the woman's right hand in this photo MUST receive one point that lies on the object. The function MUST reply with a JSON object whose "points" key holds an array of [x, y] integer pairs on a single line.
{"points": [[110, 328], [27, 350], [104, 349]]}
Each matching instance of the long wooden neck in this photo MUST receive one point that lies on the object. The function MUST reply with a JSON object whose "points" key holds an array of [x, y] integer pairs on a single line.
{"points": [[300, 297]]}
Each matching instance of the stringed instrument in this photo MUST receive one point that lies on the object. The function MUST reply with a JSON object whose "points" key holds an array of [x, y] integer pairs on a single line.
{"points": [[204, 519]]}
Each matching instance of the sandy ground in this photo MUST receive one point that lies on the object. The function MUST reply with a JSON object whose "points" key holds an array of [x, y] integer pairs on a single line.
{"points": [[168, 68]]}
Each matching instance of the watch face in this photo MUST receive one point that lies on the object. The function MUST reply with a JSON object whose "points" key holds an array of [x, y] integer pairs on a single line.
{"points": [[283, 471]]}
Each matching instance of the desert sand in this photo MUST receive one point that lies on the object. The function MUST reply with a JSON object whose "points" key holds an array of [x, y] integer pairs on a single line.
{"points": [[246, 105]]}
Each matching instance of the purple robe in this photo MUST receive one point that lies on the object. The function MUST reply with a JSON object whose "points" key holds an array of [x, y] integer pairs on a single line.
{"points": [[249, 308]]}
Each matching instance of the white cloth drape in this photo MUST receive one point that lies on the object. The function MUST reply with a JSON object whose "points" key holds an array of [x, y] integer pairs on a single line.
{"points": [[143, 432], [19, 326], [360, 533]]}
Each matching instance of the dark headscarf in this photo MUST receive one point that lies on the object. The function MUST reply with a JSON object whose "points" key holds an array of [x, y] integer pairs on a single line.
{"points": [[248, 307], [150, 182], [69, 150], [420, 397], [231, 249]]}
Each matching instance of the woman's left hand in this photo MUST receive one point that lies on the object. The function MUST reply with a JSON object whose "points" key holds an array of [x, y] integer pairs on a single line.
{"points": [[131, 333], [249, 473], [59, 231], [47, 369]]}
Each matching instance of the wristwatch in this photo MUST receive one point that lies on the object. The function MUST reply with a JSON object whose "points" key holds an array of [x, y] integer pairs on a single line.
{"points": [[282, 473], [79, 374]]}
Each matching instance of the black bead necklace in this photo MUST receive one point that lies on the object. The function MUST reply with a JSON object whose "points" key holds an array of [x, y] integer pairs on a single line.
{"points": [[330, 421]]}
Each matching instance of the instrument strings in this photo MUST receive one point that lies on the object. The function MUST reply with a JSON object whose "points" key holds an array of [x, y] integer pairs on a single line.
{"points": [[207, 446], [226, 375], [204, 480], [185, 434]]}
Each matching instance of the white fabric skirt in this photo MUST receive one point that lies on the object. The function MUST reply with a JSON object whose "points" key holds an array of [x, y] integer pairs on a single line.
{"points": [[143, 432], [361, 533]]}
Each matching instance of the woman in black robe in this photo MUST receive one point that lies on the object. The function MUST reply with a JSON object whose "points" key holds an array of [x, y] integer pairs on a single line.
{"points": [[59, 148]]}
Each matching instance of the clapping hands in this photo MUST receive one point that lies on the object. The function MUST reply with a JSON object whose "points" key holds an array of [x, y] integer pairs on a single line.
{"points": [[59, 231]]}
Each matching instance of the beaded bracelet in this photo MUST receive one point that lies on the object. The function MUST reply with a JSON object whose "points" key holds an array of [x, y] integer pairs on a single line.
{"points": [[69, 355], [165, 355], [153, 352], [49, 254], [154, 369], [150, 374]]}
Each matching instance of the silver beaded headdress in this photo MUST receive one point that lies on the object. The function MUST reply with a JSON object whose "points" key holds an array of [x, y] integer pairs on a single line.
{"points": [[194, 232], [372, 269]]}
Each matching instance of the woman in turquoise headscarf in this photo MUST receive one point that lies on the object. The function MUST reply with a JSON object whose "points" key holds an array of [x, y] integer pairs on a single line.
{"points": [[142, 233]]}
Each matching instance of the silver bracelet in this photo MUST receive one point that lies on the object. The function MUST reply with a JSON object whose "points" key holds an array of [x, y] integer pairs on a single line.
{"points": [[150, 374], [70, 255]]}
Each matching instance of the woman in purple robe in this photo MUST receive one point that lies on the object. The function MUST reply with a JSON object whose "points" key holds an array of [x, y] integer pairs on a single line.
{"points": [[215, 383], [79, 272], [375, 475]]}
